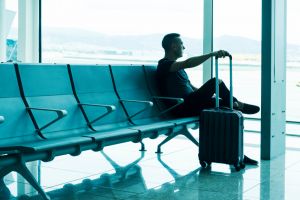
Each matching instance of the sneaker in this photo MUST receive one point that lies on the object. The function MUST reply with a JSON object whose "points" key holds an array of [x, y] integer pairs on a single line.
{"points": [[249, 109], [249, 161]]}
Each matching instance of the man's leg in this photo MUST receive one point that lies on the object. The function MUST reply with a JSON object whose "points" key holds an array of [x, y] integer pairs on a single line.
{"points": [[202, 99], [205, 93], [224, 93], [199, 100]]}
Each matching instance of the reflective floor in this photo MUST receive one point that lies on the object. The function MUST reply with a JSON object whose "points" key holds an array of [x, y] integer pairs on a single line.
{"points": [[123, 172]]}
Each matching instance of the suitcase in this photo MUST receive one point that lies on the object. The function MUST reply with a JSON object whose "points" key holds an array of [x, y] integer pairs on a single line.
{"points": [[221, 132]]}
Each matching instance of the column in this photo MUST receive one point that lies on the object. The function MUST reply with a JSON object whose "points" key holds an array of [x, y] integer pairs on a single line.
{"points": [[28, 35], [273, 89], [207, 38], [28, 43], [2, 32]]}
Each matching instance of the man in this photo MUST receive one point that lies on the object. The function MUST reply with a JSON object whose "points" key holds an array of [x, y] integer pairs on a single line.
{"points": [[174, 82]]}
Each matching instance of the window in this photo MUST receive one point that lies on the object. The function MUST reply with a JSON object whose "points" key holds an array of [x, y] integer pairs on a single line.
{"points": [[11, 29], [98, 31], [237, 29], [293, 67]]}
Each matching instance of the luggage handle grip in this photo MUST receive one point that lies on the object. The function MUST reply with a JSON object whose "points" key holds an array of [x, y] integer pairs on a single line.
{"points": [[217, 82], [226, 55]]}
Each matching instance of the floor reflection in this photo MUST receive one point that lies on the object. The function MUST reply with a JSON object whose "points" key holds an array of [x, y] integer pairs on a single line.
{"points": [[124, 176], [128, 174]]}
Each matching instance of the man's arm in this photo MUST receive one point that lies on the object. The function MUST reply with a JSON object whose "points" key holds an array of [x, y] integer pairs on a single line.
{"points": [[195, 61]]}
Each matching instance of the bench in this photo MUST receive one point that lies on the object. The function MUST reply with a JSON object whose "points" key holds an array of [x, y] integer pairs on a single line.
{"points": [[50, 110]]}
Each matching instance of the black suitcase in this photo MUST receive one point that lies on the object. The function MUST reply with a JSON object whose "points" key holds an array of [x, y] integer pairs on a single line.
{"points": [[221, 132]]}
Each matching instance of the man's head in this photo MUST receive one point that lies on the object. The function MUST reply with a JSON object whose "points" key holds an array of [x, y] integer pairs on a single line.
{"points": [[172, 44]]}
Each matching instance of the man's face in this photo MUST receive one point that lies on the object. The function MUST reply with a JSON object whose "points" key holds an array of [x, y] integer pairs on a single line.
{"points": [[178, 47]]}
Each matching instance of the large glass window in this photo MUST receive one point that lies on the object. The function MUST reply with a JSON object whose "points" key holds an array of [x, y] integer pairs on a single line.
{"points": [[101, 31], [11, 29], [293, 67], [237, 29]]}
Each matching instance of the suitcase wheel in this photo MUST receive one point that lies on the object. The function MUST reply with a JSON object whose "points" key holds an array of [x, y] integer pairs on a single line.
{"points": [[242, 165], [239, 166]]}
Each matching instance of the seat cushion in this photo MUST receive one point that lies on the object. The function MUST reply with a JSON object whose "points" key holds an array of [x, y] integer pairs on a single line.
{"points": [[153, 126], [47, 144], [114, 134], [184, 121], [59, 143]]}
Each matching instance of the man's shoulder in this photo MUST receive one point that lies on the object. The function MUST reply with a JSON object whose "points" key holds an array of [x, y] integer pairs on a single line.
{"points": [[164, 65], [165, 61]]}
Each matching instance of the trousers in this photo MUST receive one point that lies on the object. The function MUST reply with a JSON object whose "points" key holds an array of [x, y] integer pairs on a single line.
{"points": [[203, 98]]}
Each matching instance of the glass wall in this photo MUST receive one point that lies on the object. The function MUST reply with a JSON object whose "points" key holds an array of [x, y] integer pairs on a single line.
{"points": [[100, 31], [10, 29], [237, 29], [293, 66]]}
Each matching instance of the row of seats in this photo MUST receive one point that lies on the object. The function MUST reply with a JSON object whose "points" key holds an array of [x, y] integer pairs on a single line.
{"points": [[49, 110]]}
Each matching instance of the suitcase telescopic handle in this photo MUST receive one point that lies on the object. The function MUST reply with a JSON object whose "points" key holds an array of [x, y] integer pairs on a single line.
{"points": [[217, 82]]}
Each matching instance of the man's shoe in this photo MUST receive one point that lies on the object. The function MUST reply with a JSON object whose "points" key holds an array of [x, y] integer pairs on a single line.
{"points": [[249, 161], [249, 109]]}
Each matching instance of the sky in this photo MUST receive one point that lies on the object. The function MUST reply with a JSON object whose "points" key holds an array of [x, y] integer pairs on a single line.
{"points": [[135, 17]]}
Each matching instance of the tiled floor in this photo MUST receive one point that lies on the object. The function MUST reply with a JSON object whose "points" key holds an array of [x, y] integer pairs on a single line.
{"points": [[123, 172]]}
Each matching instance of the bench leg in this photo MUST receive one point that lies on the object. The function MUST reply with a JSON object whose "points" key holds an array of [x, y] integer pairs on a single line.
{"points": [[167, 139], [184, 132], [187, 134], [4, 191], [22, 169], [142, 147]]}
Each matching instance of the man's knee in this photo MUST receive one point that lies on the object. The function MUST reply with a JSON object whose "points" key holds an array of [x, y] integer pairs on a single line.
{"points": [[219, 80]]}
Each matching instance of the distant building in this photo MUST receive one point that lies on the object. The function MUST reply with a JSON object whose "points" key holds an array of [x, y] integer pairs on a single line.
{"points": [[11, 50]]}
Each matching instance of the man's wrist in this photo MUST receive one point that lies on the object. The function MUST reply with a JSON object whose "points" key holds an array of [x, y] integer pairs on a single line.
{"points": [[211, 54]]}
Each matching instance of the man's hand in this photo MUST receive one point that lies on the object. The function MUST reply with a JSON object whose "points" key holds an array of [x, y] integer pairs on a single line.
{"points": [[220, 54], [197, 60]]}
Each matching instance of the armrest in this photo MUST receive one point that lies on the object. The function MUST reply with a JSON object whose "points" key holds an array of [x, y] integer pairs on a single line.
{"points": [[1, 119], [109, 109], [60, 114], [177, 100], [148, 104]]}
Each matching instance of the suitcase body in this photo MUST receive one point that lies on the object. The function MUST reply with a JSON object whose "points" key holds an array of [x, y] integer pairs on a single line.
{"points": [[221, 137], [221, 133]]}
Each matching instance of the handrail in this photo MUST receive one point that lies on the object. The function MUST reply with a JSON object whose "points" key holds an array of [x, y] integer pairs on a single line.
{"points": [[60, 114], [109, 109], [148, 105], [178, 100], [287, 121]]}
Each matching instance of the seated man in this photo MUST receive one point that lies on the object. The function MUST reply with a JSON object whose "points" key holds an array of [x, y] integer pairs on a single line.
{"points": [[174, 82]]}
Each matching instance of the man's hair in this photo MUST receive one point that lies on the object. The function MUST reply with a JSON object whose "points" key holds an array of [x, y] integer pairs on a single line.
{"points": [[168, 40]]}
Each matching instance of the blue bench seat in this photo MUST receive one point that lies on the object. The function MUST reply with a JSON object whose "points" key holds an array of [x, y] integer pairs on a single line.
{"points": [[48, 110], [101, 90], [139, 82]]}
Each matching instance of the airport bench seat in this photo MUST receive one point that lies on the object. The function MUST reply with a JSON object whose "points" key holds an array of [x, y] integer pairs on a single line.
{"points": [[136, 112], [47, 110], [43, 145]]}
